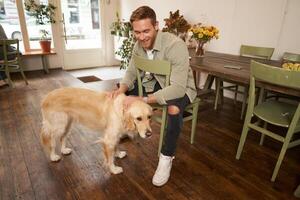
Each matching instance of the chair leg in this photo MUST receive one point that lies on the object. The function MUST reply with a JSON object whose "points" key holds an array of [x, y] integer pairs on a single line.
{"points": [[235, 93], [245, 97], [194, 121], [217, 92], [284, 147], [162, 129], [244, 135], [10, 83], [23, 75], [262, 137]]}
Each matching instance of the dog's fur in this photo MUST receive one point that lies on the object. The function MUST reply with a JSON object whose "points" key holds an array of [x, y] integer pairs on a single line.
{"points": [[111, 117]]}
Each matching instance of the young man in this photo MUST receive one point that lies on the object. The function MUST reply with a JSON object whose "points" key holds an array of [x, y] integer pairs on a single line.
{"points": [[154, 44]]}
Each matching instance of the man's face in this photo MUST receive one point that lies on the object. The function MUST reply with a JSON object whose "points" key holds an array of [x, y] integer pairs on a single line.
{"points": [[145, 32]]}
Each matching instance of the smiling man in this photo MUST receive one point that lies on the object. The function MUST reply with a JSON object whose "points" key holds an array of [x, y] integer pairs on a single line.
{"points": [[154, 44]]}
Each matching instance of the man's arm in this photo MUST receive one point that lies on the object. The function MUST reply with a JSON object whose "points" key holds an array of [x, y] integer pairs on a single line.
{"points": [[178, 55]]}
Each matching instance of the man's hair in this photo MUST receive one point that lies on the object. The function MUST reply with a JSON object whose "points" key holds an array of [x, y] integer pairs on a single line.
{"points": [[143, 12]]}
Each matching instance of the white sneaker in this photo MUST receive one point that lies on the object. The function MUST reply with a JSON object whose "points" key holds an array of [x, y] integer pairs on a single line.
{"points": [[163, 170]]}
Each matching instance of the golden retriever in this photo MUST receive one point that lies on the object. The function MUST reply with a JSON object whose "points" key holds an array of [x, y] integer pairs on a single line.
{"points": [[111, 117]]}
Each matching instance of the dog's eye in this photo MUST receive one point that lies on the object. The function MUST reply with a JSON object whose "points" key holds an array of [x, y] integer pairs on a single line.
{"points": [[149, 117], [139, 118]]}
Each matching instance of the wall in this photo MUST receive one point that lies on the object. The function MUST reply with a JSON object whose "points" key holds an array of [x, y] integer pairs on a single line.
{"points": [[270, 23]]}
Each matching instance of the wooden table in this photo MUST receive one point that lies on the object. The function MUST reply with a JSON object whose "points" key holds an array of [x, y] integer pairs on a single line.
{"points": [[43, 57], [213, 64]]}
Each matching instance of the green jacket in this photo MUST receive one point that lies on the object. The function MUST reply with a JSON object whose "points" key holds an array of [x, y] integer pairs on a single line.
{"points": [[170, 48]]}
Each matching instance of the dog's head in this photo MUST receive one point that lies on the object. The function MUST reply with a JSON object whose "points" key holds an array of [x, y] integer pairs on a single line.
{"points": [[138, 118]]}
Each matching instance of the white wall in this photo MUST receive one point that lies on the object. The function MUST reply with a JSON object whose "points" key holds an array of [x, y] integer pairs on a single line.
{"points": [[269, 23]]}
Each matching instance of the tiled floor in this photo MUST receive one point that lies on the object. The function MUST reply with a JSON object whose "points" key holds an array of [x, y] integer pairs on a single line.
{"points": [[104, 73]]}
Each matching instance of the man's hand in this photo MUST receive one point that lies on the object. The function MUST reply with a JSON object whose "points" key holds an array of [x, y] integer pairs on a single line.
{"points": [[122, 89], [113, 94]]}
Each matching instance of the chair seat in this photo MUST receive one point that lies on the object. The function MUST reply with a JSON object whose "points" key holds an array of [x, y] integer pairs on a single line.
{"points": [[275, 112]]}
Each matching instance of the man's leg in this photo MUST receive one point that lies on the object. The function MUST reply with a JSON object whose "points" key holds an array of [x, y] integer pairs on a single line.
{"points": [[175, 121]]}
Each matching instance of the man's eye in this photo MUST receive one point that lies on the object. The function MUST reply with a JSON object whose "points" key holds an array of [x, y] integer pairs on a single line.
{"points": [[139, 118]]}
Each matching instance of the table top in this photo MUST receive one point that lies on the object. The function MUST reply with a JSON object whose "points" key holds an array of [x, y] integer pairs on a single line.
{"points": [[213, 63]]}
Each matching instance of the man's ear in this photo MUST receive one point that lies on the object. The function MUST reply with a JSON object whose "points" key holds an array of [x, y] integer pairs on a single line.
{"points": [[156, 26]]}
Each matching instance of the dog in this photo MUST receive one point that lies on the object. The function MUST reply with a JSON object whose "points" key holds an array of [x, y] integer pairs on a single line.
{"points": [[111, 117]]}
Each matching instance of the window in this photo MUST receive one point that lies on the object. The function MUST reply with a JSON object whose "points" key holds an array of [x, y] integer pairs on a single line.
{"points": [[34, 29], [9, 20]]}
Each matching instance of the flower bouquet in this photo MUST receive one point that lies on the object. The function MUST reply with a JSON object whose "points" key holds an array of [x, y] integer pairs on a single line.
{"points": [[202, 34]]}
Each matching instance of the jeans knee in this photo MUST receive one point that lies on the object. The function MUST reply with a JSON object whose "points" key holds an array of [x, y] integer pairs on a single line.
{"points": [[173, 110]]}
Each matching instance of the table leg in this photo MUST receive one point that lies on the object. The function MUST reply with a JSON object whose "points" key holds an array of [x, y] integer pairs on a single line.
{"points": [[209, 81], [45, 64]]}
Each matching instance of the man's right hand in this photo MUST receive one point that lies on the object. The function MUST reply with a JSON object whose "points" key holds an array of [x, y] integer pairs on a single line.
{"points": [[114, 93], [122, 89]]}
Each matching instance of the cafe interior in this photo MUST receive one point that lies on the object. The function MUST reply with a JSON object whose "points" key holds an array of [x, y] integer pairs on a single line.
{"points": [[239, 136]]}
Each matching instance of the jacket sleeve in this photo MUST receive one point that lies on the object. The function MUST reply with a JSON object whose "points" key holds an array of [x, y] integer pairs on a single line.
{"points": [[130, 74], [178, 55]]}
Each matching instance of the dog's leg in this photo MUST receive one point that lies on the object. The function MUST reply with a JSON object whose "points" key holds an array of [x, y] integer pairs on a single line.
{"points": [[65, 150], [109, 152], [120, 154], [49, 140], [53, 156]]}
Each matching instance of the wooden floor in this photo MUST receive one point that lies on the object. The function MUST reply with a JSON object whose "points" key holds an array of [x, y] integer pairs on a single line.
{"points": [[205, 170]]}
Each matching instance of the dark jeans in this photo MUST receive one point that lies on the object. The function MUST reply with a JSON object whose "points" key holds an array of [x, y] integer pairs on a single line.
{"points": [[174, 124]]}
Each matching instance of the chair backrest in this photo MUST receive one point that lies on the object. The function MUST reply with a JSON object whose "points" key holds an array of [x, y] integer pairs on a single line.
{"points": [[256, 52], [274, 75], [10, 49], [160, 67], [292, 57]]}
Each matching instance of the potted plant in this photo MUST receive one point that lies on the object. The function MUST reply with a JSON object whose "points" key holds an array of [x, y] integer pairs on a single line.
{"points": [[123, 39], [176, 24], [43, 14]]}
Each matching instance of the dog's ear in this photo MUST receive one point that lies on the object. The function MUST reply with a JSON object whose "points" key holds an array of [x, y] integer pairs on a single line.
{"points": [[129, 123]]}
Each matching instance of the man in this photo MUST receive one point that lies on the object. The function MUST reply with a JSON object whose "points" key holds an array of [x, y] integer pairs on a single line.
{"points": [[2, 73], [154, 44]]}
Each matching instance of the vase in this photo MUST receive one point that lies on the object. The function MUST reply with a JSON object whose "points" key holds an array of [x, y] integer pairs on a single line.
{"points": [[45, 46], [199, 49]]}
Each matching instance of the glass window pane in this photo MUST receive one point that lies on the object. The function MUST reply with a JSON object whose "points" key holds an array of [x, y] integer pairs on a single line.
{"points": [[34, 29], [9, 20], [82, 23]]}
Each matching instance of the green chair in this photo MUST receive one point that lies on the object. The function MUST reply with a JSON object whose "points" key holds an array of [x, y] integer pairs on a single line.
{"points": [[11, 65], [272, 112], [163, 68], [246, 51], [291, 57]]}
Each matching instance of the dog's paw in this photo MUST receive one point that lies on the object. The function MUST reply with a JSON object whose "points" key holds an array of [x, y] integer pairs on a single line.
{"points": [[54, 158], [116, 170], [121, 154], [66, 151]]}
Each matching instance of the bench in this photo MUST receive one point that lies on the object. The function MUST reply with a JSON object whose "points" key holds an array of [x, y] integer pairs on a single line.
{"points": [[43, 57]]}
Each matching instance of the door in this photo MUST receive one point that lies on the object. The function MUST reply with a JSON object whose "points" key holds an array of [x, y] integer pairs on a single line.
{"points": [[82, 34]]}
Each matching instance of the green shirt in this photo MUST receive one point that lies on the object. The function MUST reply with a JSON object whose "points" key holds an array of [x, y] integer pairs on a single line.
{"points": [[170, 48]]}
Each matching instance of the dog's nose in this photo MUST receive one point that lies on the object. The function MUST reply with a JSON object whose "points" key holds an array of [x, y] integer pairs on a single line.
{"points": [[148, 134]]}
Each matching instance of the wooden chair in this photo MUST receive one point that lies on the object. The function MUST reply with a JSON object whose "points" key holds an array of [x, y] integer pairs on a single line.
{"points": [[162, 67], [286, 58], [272, 112], [11, 65], [291, 57], [246, 51]]}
